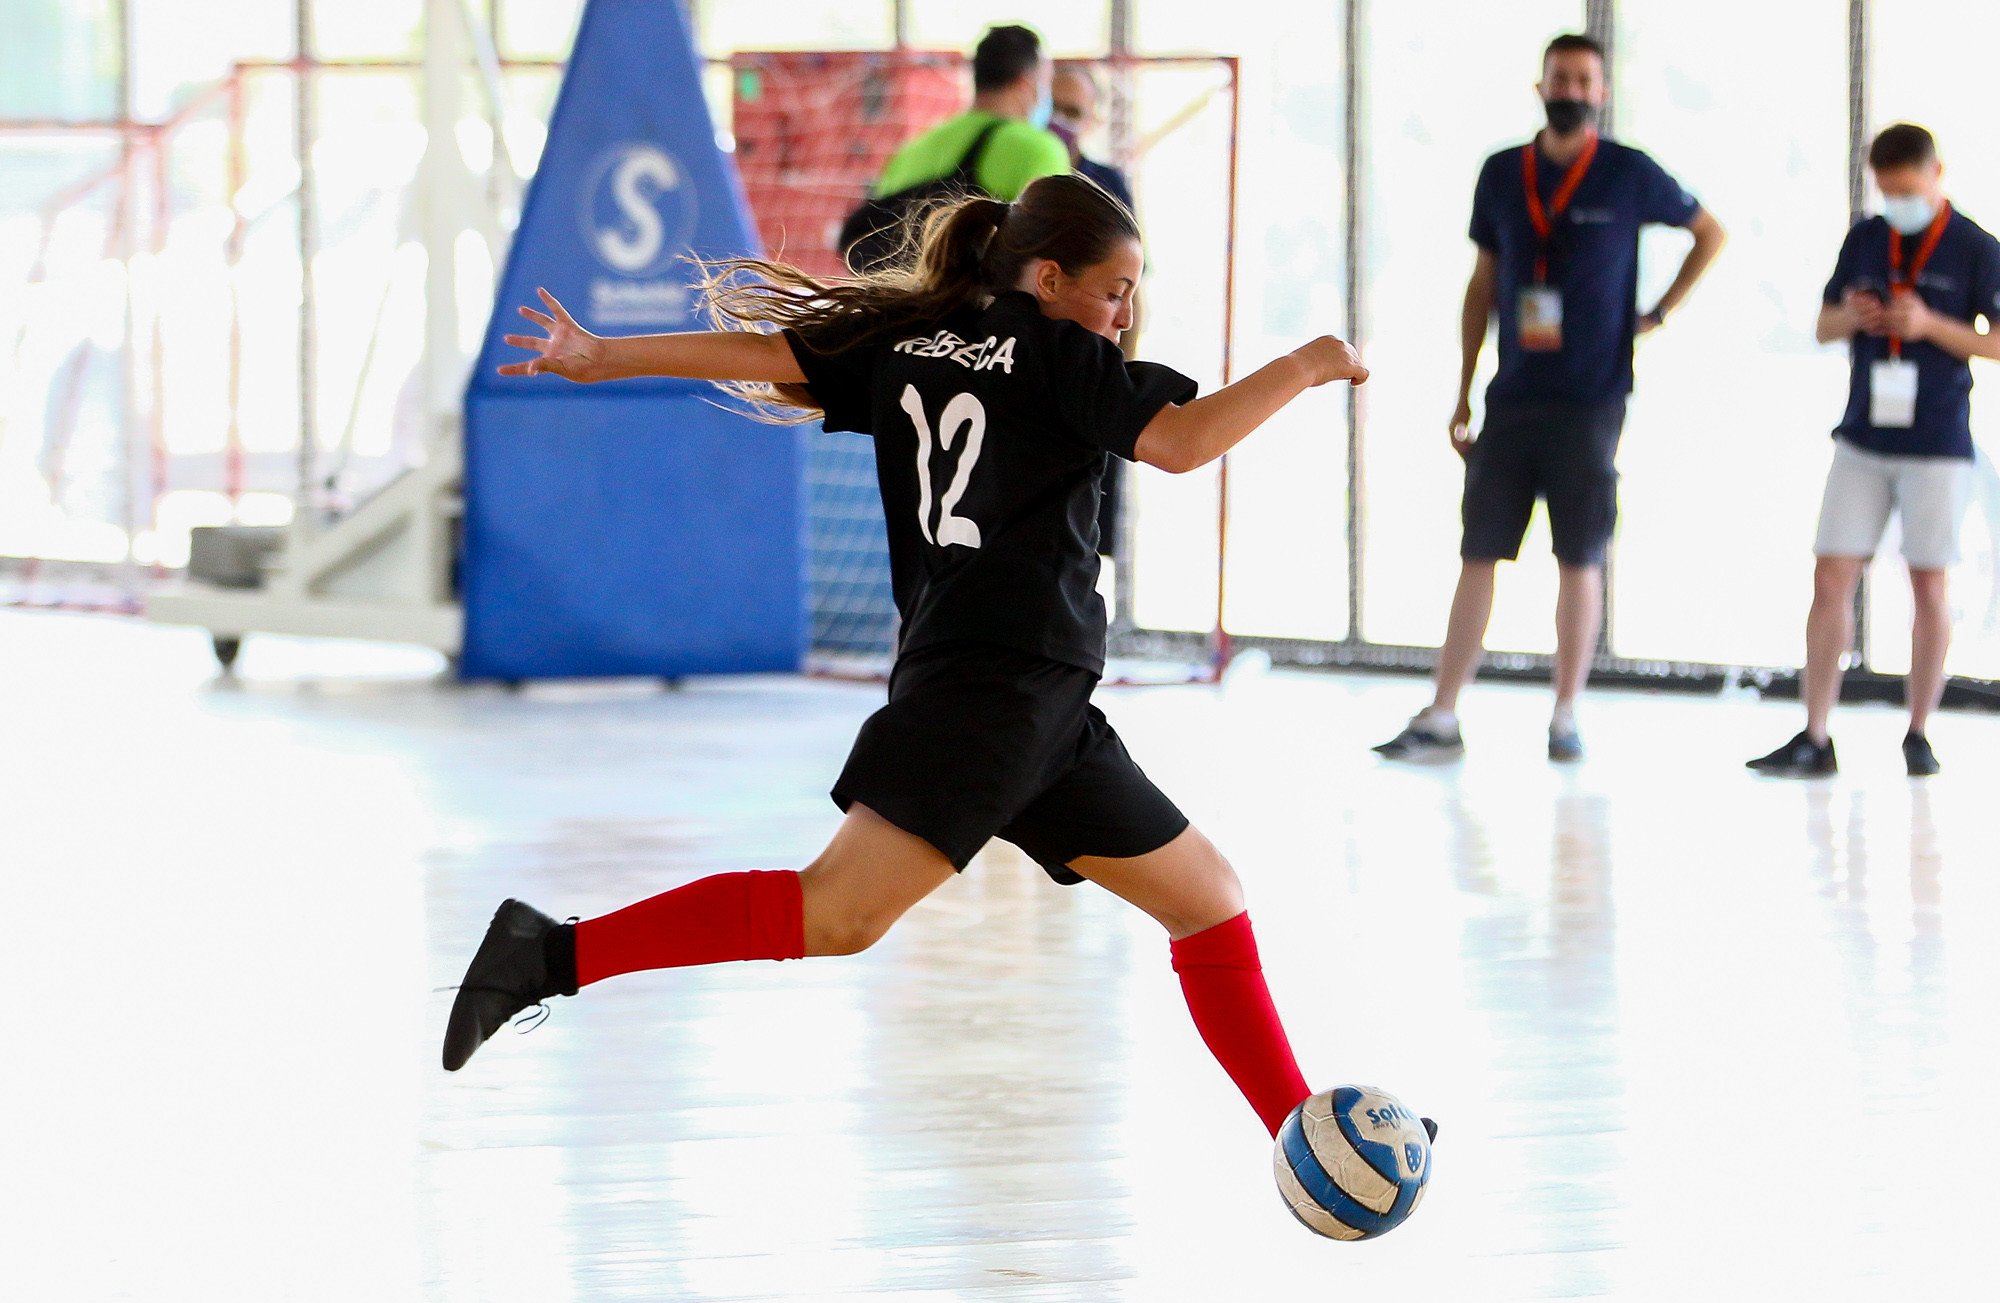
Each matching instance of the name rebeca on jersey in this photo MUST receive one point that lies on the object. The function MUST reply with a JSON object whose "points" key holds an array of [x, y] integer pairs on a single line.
{"points": [[983, 356]]}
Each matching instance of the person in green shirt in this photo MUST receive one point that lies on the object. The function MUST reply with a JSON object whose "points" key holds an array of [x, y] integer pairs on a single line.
{"points": [[1010, 82]]}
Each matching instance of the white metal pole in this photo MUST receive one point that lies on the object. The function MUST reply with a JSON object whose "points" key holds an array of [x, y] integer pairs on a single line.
{"points": [[304, 98], [439, 183]]}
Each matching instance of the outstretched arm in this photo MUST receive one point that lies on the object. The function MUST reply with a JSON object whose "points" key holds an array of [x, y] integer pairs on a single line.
{"points": [[1189, 437], [574, 353]]}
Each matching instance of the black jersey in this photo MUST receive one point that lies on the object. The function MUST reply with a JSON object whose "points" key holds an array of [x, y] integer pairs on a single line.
{"points": [[991, 430]]}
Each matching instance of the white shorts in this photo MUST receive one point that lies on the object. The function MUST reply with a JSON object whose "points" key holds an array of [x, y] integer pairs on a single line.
{"points": [[1863, 489]]}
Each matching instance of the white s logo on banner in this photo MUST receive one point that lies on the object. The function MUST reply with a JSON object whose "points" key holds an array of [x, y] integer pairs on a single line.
{"points": [[633, 253], [637, 215], [637, 209]]}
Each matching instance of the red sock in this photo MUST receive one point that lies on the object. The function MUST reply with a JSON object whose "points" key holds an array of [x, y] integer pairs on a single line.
{"points": [[754, 915], [1224, 984]]}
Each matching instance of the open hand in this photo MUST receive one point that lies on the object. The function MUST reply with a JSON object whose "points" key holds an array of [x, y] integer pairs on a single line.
{"points": [[568, 351], [1333, 359]]}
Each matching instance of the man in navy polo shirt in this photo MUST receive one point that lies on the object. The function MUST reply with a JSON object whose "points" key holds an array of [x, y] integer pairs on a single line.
{"points": [[1557, 225], [1905, 295]]}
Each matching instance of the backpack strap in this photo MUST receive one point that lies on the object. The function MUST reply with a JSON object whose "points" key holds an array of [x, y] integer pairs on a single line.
{"points": [[966, 175]]}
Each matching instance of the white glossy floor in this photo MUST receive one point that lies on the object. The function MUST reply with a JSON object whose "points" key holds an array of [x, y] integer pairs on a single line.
{"points": [[1691, 1035]]}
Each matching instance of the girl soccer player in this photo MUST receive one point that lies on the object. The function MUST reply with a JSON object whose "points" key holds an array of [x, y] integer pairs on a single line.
{"points": [[989, 375]]}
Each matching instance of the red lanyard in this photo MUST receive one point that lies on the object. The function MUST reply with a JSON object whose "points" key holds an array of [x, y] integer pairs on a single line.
{"points": [[1897, 284], [1545, 219]]}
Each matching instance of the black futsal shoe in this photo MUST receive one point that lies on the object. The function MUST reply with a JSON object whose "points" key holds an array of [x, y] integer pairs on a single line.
{"points": [[1565, 745], [525, 958], [1918, 757], [1799, 758]]}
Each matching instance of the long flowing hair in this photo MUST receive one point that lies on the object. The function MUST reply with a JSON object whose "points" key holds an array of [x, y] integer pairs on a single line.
{"points": [[958, 254]]}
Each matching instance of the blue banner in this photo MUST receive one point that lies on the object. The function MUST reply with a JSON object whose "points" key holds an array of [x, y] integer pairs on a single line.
{"points": [[634, 527]]}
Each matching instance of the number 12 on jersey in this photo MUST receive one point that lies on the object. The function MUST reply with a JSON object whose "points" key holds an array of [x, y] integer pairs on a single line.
{"points": [[964, 412]]}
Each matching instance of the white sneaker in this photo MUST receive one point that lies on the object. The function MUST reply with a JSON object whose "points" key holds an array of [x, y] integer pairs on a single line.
{"points": [[1423, 742]]}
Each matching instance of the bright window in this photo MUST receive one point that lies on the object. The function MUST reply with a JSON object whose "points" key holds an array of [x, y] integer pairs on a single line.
{"points": [[1727, 437], [1441, 97]]}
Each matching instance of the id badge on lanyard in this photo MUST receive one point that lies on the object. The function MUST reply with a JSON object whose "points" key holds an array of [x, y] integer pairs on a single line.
{"points": [[1892, 394], [1892, 382], [1539, 319], [1540, 323]]}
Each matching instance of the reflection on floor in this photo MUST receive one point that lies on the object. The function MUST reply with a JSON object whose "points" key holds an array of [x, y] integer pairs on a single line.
{"points": [[1690, 1034]]}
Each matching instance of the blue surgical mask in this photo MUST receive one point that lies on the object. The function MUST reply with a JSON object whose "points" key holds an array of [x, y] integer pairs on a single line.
{"points": [[1044, 109], [1909, 214]]}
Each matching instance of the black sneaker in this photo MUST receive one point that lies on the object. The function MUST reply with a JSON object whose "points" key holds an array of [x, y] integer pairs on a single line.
{"points": [[1565, 745], [1918, 757], [1422, 742], [1799, 758], [510, 972]]}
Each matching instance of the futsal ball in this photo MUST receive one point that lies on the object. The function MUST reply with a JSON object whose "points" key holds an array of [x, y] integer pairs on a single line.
{"points": [[1352, 1162]]}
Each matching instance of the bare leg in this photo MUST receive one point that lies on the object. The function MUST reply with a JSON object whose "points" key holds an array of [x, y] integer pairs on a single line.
{"points": [[1191, 891], [1579, 617], [1829, 635], [1930, 638], [1185, 886], [1465, 635], [868, 876]]}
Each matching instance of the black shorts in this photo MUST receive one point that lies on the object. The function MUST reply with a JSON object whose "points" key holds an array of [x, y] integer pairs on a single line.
{"points": [[980, 742], [1564, 453]]}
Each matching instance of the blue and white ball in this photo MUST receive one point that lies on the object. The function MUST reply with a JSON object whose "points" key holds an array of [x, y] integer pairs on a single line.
{"points": [[1353, 1162]]}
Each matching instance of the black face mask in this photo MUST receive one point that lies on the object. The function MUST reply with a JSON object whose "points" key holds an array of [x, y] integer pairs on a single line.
{"points": [[1566, 116]]}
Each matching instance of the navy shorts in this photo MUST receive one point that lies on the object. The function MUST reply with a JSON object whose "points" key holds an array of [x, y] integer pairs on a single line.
{"points": [[1563, 453], [980, 742]]}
